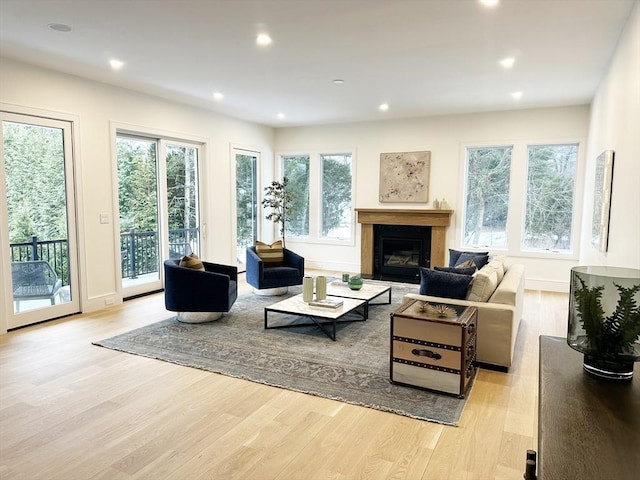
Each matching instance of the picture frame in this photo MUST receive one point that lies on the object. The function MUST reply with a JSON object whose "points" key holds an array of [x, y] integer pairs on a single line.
{"points": [[602, 200], [404, 177]]}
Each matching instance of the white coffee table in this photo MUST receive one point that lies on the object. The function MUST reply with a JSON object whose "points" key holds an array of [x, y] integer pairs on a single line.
{"points": [[368, 292], [320, 316]]}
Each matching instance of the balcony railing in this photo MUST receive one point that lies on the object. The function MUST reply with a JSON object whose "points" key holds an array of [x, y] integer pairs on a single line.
{"points": [[138, 251]]}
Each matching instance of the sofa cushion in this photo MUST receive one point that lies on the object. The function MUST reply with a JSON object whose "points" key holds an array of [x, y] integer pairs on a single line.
{"points": [[272, 255], [459, 269], [497, 266], [443, 284], [191, 261], [454, 257], [484, 284]]}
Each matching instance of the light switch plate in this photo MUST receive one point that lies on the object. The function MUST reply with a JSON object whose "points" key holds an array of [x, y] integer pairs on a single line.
{"points": [[104, 218]]}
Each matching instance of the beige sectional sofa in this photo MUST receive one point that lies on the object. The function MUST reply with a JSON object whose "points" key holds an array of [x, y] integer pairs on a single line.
{"points": [[498, 316]]}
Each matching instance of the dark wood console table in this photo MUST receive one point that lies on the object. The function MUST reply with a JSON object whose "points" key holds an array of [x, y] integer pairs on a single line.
{"points": [[587, 428]]}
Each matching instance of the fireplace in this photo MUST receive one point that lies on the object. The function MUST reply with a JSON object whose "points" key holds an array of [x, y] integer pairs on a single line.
{"points": [[399, 251], [406, 249]]}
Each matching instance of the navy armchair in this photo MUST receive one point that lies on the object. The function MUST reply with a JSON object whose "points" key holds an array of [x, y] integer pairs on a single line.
{"points": [[199, 296], [274, 280]]}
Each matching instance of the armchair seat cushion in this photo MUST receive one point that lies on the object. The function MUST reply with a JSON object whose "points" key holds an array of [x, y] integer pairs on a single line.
{"points": [[281, 272]]}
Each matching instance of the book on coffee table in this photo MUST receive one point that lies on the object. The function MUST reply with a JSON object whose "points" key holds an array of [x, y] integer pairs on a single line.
{"points": [[327, 303]]}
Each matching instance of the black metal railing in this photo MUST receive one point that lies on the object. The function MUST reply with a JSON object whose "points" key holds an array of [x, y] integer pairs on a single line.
{"points": [[56, 252], [138, 251]]}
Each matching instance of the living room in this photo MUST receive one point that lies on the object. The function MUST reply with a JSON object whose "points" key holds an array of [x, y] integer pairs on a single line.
{"points": [[99, 110]]}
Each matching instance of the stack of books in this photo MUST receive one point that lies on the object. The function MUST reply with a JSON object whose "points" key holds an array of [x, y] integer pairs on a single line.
{"points": [[326, 303]]}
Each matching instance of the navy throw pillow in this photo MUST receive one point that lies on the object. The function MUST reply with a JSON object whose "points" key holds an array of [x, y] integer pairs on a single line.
{"points": [[444, 284], [480, 259], [458, 270], [454, 256]]}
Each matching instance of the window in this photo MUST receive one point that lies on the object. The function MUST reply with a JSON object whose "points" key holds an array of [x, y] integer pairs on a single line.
{"points": [[487, 196], [336, 196], [296, 169], [323, 206], [520, 198], [551, 176]]}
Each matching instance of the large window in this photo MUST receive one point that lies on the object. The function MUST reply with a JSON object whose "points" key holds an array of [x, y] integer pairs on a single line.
{"points": [[296, 169], [487, 196], [521, 198], [336, 196], [551, 175], [323, 186]]}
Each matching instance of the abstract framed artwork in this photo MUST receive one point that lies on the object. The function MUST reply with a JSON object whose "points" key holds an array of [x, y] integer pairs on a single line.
{"points": [[602, 201], [404, 177]]}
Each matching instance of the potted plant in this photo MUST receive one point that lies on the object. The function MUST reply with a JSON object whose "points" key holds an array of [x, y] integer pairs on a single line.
{"points": [[604, 319], [280, 201]]}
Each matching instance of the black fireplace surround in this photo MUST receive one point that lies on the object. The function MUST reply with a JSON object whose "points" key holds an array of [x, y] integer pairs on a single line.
{"points": [[399, 251]]}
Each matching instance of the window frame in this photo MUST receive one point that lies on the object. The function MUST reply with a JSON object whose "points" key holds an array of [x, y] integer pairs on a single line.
{"points": [[575, 225], [517, 198], [315, 194], [465, 183]]}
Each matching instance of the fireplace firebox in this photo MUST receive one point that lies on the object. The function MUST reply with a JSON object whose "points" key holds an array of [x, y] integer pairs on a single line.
{"points": [[399, 251]]}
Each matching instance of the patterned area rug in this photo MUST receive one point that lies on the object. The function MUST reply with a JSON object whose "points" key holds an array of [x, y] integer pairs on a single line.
{"points": [[353, 369]]}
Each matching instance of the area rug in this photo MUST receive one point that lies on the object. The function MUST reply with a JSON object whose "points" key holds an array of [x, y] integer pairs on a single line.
{"points": [[353, 369]]}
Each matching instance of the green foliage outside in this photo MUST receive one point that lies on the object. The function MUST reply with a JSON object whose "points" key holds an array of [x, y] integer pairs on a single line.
{"points": [[551, 183], [245, 201], [296, 170], [137, 185], [487, 196], [336, 193], [549, 197], [36, 194]]}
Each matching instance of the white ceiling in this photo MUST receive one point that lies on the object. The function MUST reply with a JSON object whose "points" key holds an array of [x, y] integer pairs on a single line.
{"points": [[422, 57]]}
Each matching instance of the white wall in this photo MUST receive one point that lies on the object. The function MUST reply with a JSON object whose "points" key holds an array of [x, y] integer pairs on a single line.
{"points": [[98, 107], [615, 125], [444, 137]]}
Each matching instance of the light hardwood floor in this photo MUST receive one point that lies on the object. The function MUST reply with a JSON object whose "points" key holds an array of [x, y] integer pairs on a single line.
{"points": [[70, 410]]}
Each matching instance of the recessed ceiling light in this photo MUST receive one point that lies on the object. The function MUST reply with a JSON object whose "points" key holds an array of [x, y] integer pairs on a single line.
{"points": [[281, 116], [507, 62], [383, 107], [116, 64], [490, 3], [517, 95], [263, 39], [338, 81], [218, 96], [59, 27]]}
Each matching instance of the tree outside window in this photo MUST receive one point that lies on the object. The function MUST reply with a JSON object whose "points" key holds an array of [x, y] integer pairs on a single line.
{"points": [[487, 196], [296, 170], [551, 180], [336, 196]]}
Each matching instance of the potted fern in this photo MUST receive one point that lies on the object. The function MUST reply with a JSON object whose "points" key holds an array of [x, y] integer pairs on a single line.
{"points": [[604, 319]]}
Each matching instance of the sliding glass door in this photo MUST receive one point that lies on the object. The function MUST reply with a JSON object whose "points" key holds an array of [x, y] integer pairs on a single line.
{"points": [[38, 226], [158, 190], [246, 203]]}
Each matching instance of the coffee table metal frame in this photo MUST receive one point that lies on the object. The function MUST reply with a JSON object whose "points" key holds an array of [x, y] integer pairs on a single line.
{"points": [[320, 316], [368, 292]]}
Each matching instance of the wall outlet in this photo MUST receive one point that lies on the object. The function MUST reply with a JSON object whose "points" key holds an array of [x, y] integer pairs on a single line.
{"points": [[104, 218], [108, 301]]}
